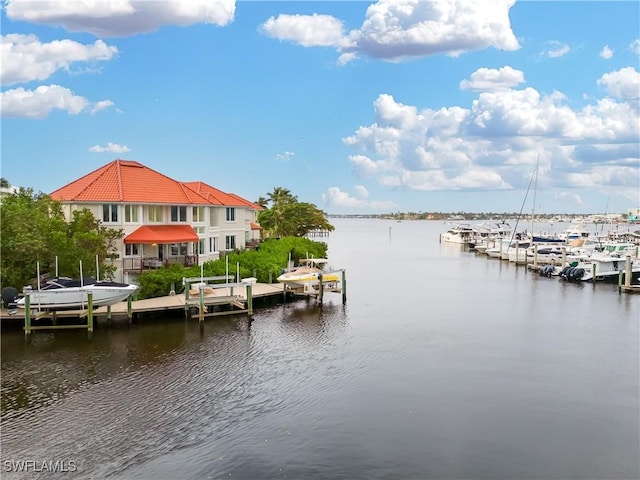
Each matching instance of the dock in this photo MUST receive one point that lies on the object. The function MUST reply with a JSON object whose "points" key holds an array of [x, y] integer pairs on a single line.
{"points": [[201, 299]]}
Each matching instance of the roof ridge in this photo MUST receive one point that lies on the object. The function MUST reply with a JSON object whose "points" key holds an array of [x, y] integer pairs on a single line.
{"points": [[186, 187], [119, 176]]}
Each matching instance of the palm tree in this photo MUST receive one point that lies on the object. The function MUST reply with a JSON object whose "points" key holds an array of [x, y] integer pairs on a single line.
{"points": [[263, 202], [281, 196]]}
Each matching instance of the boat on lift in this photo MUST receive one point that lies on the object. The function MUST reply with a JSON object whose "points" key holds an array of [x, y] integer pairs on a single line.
{"points": [[64, 293]]}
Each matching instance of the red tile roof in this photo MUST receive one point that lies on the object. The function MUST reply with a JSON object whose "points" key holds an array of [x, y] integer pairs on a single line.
{"points": [[162, 234], [218, 197], [129, 181]]}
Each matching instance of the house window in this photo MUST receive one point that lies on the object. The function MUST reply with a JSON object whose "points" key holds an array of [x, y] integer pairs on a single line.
{"points": [[199, 230], [131, 213], [178, 214], [230, 242], [155, 214], [176, 249], [109, 213], [201, 246], [213, 244], [231, 214], [131, 249], [198, 214], [213, 217]]}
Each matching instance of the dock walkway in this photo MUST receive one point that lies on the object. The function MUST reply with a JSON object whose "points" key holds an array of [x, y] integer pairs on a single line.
{"points": [[232, 294]]}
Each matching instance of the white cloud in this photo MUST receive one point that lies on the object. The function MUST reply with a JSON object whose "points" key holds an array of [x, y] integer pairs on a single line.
{"points": [[635, 46], [570, 197], [38, 103], [398, 29], [339, 200], [286, 156], [101, 106], [307, 30], [623, 83], [24, 58], [556, 49], [606, 53], [488, 79], [118, 18], [361, 191], [494, 143], [110, 147]]}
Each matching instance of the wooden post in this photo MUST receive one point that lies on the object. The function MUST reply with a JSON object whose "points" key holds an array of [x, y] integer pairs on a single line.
{"points": [[186, 298], [535, 257], [627, 272], [249, 299], [201, 316], [27, 314], [108, 313], [320, 289], [129, 308], [620, 275], [54, 318], [517, 251], [593, 271], [564, 257], [344, 286], [90, 315]]}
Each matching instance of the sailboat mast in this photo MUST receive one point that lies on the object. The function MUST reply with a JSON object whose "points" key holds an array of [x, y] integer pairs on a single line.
{"points": [[535, 189]]}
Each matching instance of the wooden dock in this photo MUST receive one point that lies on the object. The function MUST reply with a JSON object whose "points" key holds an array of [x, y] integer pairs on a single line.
{"points": [[202, 297]]}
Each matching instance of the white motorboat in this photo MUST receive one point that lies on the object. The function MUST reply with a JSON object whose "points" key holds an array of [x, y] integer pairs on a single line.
{"points": [[309, 273], [461, 234], [601, 266], [66, 293]]}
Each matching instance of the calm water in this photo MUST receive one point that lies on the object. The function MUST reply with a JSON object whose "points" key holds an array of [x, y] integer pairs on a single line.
{"points": [[441, 365]]}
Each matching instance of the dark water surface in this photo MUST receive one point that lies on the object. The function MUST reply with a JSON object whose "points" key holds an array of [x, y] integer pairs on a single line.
{"points": [[441, 365]]}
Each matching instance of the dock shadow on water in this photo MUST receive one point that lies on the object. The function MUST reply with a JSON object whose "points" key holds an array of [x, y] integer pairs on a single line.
{"points": [[441, 364]]}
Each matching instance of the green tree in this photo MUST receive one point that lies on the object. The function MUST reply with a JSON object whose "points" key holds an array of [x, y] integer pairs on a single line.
{"points": [[33, 230], [289, 217], [4, 183]]}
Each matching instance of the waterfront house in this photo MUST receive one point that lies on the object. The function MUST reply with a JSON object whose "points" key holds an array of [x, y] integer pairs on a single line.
{"points": [[164, 220]]}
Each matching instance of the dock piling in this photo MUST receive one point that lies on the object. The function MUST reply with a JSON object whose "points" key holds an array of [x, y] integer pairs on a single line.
{"points": [[27, 315], [344, 286], [90, 312]]}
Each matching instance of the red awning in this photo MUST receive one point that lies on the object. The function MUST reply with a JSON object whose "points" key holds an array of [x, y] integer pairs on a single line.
{"points": [[162, 234], [255, 226]]}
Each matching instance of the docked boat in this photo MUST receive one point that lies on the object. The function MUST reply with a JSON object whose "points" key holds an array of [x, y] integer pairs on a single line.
{"points": [[309, 273], [601, 266], [461, 234], [66, 293]]}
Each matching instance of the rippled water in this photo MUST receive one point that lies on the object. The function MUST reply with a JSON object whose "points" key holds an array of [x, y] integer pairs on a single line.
{"points": [[440, 365]]}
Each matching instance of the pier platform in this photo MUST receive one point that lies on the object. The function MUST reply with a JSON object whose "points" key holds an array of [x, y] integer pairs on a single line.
{"points": [[234, 295]]}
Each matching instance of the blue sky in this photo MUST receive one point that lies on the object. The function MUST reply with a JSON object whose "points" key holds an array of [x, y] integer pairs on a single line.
{"points": [[358, 107]]}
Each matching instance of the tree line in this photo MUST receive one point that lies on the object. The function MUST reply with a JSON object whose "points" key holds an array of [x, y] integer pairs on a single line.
{"points": [[34, 231]]}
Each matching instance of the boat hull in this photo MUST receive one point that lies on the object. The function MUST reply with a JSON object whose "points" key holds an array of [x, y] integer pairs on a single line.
{"points": [[77, 297]]}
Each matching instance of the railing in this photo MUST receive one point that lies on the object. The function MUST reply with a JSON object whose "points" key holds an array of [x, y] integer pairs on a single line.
{"points": [[137, 264]]}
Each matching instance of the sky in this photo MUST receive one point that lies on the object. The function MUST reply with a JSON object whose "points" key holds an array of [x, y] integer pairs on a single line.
{"points": [[358, 107]]}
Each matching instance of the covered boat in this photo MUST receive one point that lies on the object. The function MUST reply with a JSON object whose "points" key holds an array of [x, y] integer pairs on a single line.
{"points": [[66, 293]]}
